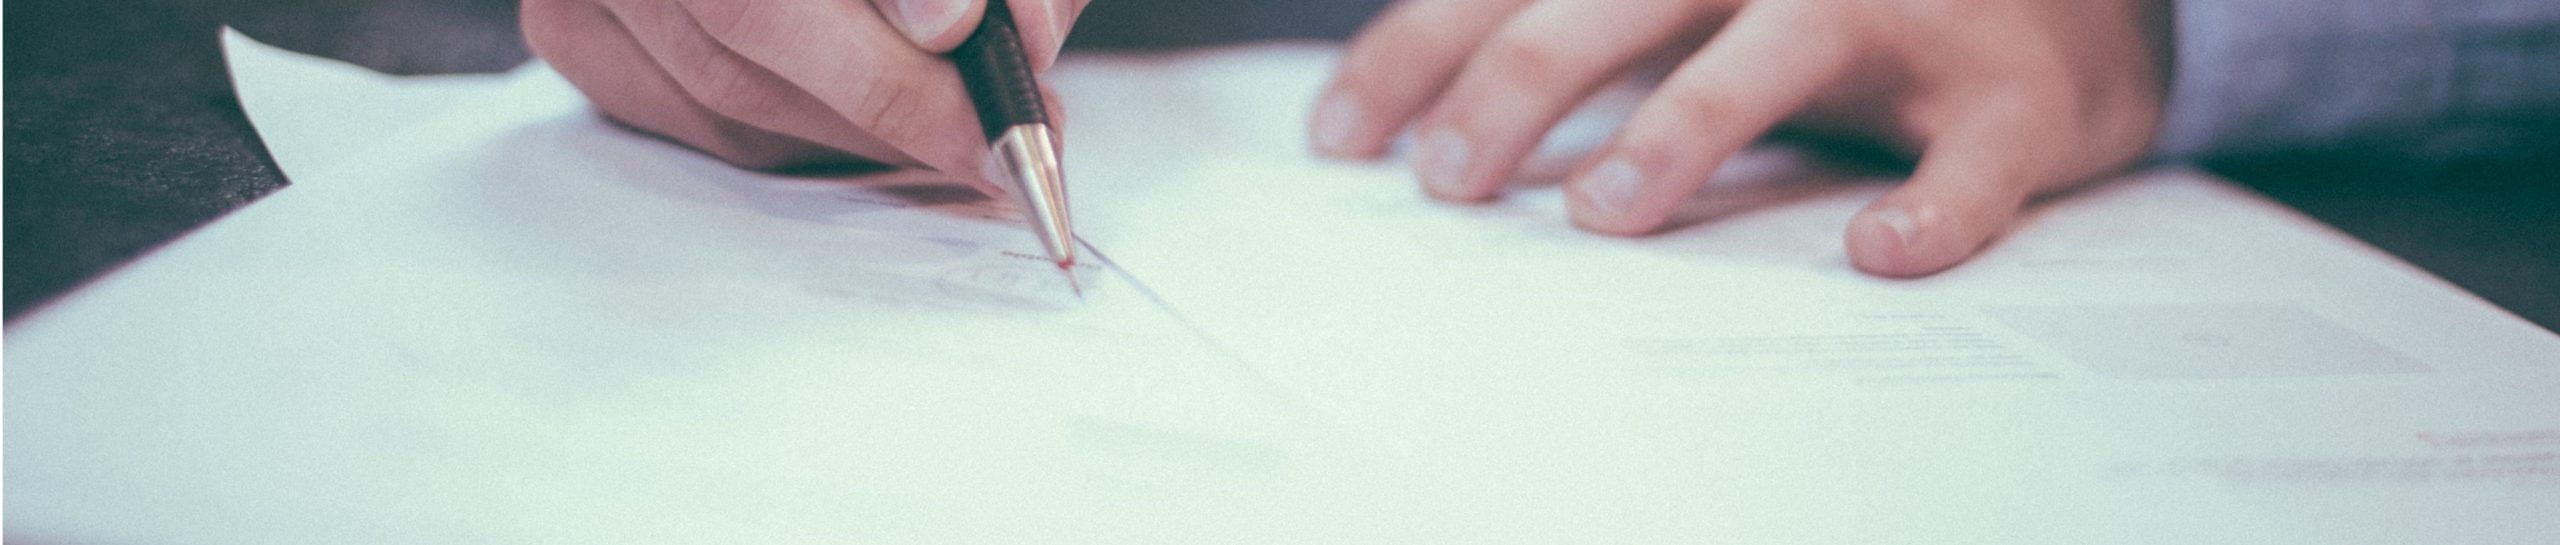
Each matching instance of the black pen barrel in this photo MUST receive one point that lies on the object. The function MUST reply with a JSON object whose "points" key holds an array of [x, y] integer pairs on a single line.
{"points": [[996, 69]]}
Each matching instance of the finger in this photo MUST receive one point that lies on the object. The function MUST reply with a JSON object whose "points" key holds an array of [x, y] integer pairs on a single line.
{"points": [[1045, 25], [596, 53], [933, 25], [1967, 188], [1395, 67], [729, 84], [938, 26], [1527, 76], [1057, 111], [1766, 64], [863, 70]]}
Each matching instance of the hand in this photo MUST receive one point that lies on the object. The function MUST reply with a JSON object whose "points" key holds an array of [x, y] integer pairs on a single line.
{"points": [[775, 83], [2001, 100]]}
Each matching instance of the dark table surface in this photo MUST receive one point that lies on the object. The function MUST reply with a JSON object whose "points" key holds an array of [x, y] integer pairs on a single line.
{"points": [[123, 132]]}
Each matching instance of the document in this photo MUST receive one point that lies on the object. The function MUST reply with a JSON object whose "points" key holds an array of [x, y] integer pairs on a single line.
{"points": [[510, 321], [473, 327]]}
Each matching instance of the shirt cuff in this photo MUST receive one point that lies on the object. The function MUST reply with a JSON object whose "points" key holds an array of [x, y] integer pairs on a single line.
{"points": [[2255, 76]]}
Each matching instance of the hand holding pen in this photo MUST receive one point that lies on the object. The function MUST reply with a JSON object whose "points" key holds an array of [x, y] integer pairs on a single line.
{"points": [[778, 83]]}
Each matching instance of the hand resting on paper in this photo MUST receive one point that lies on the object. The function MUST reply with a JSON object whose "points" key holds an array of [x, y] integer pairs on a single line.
{"points": [[2000, 100], [781, 83]]}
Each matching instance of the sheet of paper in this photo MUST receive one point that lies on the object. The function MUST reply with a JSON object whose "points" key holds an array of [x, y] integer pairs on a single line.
{"points": [[530, 326], [338, 109], [2158, 358], [515, 323]]}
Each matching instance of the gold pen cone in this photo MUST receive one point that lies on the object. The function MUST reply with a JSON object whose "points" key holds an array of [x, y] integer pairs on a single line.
{"points": [[1026, 158]]}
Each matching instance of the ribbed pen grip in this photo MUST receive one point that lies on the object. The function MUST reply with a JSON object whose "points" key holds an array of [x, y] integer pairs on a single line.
{"points": [[998, 72]]}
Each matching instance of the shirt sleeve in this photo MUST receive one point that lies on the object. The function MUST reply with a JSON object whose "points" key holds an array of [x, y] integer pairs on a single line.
{"points": [[2426, 79]]}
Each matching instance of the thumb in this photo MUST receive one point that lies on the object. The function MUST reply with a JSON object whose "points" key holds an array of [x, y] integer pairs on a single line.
{"points": [[1964, 193], [933, 25], [938, 26]]}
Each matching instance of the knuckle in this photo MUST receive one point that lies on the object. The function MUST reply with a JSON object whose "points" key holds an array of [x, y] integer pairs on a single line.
{"points": [[1653, 146], [885, 107], [2001, 191], [735, 89], [1525, 62], [1701, 107], [2006, 184], [729, 19]]}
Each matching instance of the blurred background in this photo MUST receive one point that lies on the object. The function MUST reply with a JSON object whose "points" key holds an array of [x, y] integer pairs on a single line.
{"points": [[123, 132]]}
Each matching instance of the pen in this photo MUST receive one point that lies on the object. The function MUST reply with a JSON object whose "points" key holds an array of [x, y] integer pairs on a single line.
{"points": [[1023, 147]]}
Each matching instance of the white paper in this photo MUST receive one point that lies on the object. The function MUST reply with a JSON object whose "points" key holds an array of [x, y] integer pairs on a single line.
{"points": [[337, 109], [2160, 358], [530, 326], [519, 305]]}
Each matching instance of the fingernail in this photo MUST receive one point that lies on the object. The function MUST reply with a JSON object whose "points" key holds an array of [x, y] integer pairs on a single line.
{"points": [[925, 19], [1059, 14], [1880, 242], [1610, 188], [1337, 122], [1442, 163], [1904, 230]]}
